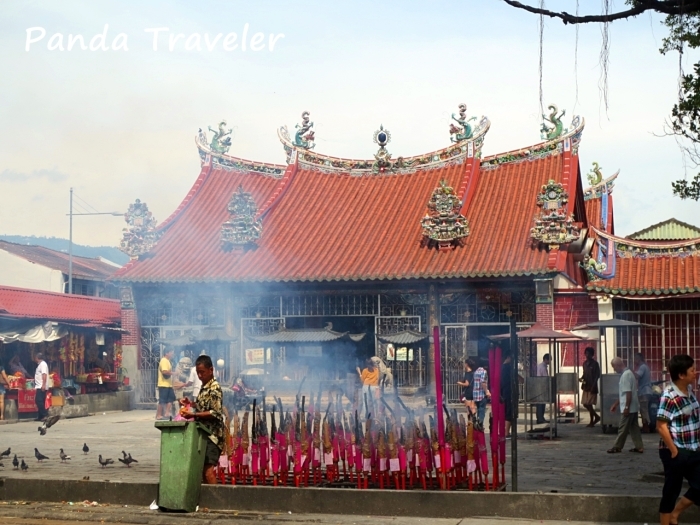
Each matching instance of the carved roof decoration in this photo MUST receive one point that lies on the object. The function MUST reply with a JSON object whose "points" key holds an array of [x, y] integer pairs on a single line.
{"points": [[633, 249], [242, 227], [444, 226], [552, 226], [141, 235], [449, 156]]}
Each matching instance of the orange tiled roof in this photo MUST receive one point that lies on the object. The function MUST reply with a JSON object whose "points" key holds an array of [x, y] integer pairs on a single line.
{"points": [[340, 226], [646, 269], [21, 303]]}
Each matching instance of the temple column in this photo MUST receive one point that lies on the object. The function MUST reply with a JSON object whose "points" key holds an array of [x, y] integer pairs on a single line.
{"points": [[232, 323], [131, 341], [433, 320]]}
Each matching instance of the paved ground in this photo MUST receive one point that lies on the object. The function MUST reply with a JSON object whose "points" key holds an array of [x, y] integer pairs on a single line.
{"points": [[576, 462], [64, 514]]}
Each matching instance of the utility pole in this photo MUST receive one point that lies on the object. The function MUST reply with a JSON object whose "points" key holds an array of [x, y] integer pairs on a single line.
{"points": [[70, 245]]}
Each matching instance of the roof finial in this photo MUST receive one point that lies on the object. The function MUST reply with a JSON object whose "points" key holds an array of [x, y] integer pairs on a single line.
{"points": [[552, 127], [464, 130], [221, 141], [304, 136], [383, 160]]}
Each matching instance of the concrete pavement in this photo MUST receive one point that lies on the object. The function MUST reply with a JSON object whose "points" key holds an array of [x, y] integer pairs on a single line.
{"points": [[27, 513], [575, 463]]}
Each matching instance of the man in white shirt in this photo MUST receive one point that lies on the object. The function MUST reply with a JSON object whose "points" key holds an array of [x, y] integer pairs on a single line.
{"points": [[542, 371], [629, 409], [41, 385], [194, 382]]}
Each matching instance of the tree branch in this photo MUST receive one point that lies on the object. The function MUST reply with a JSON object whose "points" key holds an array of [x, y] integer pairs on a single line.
{"points": [[669, 7]]}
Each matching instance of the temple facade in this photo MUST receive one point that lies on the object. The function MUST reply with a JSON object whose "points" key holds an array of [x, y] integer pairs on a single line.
{"points": [[307, 268]]}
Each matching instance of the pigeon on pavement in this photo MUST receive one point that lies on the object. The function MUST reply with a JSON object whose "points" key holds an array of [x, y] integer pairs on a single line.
{"points": [[6, 453], [39, 455], [25, 467], [63, 456], [132, 459], [105, 462], [48, 423], [85, 448], [15, 462]]}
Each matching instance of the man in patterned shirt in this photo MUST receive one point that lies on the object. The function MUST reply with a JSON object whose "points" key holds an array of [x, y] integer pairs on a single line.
{"points": [[678, 424], [209, 411], [481, 392]]}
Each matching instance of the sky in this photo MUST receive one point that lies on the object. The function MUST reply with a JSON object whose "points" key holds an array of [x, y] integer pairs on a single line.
{"points": [[119, 124]]}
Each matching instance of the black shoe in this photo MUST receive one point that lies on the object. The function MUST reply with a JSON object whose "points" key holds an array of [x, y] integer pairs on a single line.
{"points": [[543, 422]]}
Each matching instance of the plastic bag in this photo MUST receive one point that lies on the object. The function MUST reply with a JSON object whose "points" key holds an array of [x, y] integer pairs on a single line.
{"points": [[47, 403]]}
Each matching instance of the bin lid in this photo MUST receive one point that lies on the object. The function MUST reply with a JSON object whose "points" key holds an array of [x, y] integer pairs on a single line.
{"points": [[160, 425]]}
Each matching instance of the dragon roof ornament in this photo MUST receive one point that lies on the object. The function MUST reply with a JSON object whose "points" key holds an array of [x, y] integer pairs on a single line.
{"points": [[463, 130], [141, 235], [598, 185], [304, 136], [451, 155]]}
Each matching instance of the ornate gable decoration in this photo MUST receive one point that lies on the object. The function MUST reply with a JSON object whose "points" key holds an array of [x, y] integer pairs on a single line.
{"points": [[242, 227], [552, 226], [552, 127], [444, 226], [140, 236], [382, 159], [221, 140]]}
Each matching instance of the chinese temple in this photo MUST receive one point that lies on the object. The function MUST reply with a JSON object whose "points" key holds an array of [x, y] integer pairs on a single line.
{"points": [[380, 249]]}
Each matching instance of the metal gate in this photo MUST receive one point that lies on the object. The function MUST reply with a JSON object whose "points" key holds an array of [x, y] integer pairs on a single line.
{"points": [[408, 368], [453, 355], [148, 364]]}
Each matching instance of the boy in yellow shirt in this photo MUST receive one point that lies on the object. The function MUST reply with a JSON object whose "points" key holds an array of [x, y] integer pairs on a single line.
{"points": [[166, 394]]}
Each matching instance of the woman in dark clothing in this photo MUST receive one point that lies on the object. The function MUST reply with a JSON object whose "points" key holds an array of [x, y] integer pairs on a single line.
{"points": [[468, 386]]}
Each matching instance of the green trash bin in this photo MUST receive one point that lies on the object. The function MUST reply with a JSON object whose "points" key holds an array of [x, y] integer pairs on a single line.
{"points": [[183, 445]]}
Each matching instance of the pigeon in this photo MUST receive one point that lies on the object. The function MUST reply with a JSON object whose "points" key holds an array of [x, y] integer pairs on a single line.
{"points": [[85, 448], [6, 453], [39, 455], [63, 456], [127, 460], [124, 454], [48, 423], [2, 464], [105, 462], [15, 462], [25, 467]]}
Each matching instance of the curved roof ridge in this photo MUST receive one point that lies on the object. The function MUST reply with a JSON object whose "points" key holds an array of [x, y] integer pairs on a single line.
{"points": [[541, 149], [229, 162], [658, 245], [455, 153]]}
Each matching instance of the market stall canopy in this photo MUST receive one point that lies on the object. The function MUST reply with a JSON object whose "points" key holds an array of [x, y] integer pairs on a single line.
{"points": [[34, 316], [407, 337], [539, 332], [614, 323], [306, 335]]}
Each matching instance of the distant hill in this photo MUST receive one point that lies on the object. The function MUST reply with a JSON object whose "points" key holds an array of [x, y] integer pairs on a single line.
{"points": [[61, 245]]}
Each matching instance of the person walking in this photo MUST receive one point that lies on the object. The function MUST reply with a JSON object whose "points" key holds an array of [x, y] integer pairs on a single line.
{"points": [[481, 392], [369, 377], [678, 424], [4, 385], [643, 375], [589, 385], [542, 371], [628, 403], [507, 389], [468, 386], [166, 394], [41, 385]]}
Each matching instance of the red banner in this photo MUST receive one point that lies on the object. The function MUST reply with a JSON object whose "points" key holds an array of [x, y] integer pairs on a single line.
{"points": [[26, 401]]}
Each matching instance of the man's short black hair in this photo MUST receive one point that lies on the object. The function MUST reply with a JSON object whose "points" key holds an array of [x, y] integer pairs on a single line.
{"points": [[471, 362], [205, 361], [679, 364], [546, 357], [589, 350]]}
